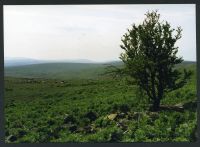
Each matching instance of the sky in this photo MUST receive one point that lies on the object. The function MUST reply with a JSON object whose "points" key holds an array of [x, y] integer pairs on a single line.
{"points": [[93, 32]]}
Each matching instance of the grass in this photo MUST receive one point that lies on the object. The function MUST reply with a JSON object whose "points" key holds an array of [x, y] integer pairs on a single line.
{"points": [[64, 108]]}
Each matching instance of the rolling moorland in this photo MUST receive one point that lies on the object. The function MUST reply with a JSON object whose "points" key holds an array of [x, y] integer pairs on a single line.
{"points": [[76, 102]]}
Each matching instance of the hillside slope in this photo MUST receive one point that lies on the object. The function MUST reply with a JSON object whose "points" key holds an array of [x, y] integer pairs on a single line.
{"points": [[56, 70], [67, 70]]}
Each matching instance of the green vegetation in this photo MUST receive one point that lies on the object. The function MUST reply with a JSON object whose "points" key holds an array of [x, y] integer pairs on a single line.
{"points": [[57, 106], [78, 102], [150, 55]]}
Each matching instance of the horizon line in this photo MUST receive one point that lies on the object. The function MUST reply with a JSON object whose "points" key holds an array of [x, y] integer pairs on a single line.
{"points": [[75, 60]]}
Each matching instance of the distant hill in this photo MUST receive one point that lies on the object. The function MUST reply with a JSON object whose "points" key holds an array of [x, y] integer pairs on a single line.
{"points": [[188, 62], [56, 70], [65, 70], [19, 61]]}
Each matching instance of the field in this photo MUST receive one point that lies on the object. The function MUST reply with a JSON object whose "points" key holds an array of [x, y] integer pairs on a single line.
{"points": [[77, 103]]}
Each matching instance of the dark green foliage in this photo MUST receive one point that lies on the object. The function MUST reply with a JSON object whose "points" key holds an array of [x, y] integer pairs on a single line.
{"points": [[91, 115], [150, 56]]}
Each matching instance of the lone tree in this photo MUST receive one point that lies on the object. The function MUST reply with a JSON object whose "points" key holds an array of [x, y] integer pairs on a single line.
{"points": [[150, 55]]}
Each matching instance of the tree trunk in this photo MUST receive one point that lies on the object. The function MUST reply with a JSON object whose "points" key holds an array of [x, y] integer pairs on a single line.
{"points": [[156, 105]]}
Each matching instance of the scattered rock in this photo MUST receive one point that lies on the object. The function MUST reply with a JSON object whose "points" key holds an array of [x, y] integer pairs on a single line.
{"points": [[112, 116], [11, 138], [62, 82]]}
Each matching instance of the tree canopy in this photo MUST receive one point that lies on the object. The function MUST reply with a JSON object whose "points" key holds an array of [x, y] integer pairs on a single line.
{"points": [[150, 56]]}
